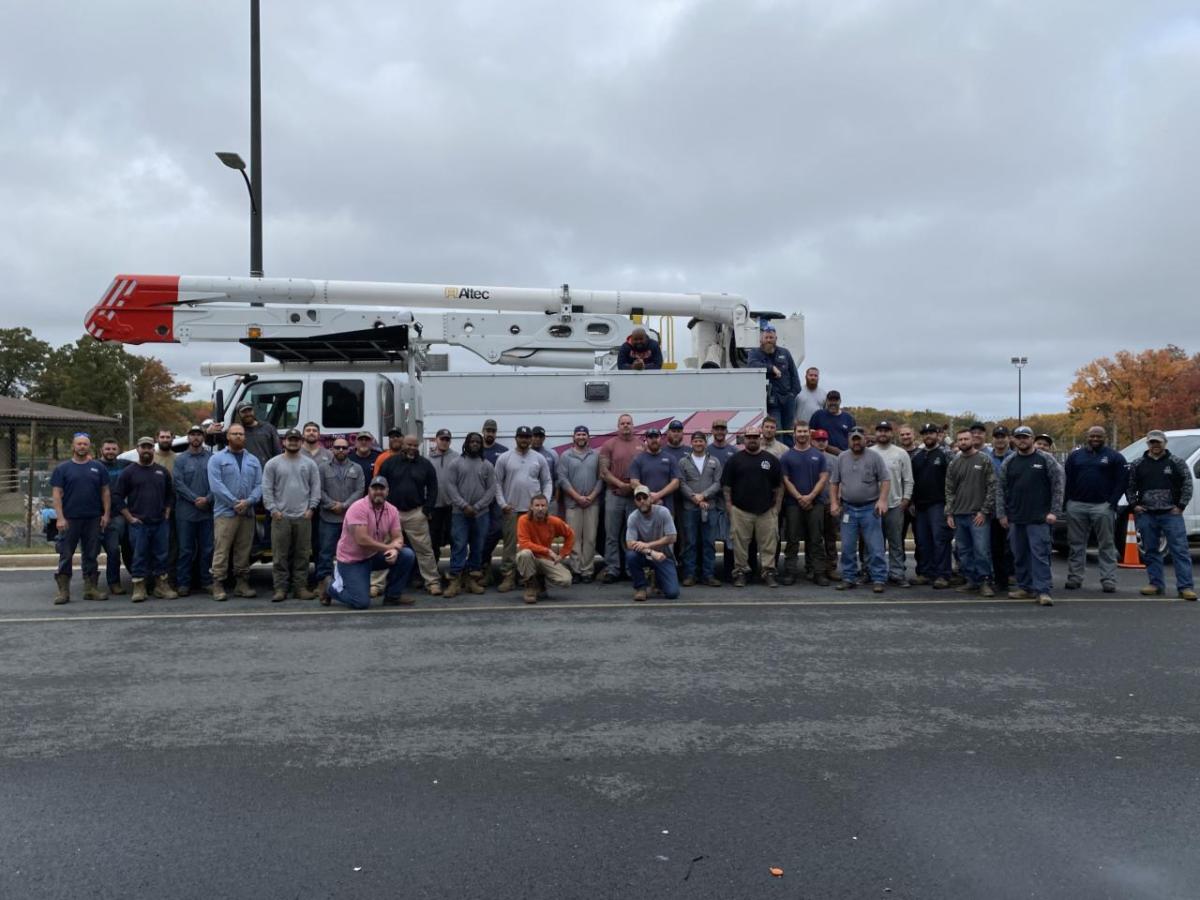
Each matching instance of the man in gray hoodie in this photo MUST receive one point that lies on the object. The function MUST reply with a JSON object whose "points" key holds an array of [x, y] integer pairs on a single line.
{"points": [[441, 455], [291, 494], [470, 485]]}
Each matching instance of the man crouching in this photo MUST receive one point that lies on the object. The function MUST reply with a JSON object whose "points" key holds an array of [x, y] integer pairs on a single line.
{"points": [[371, 539], [537, 561]]}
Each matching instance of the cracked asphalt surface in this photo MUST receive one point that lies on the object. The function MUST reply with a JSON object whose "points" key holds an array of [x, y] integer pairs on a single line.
{"points": [[919, 746]]}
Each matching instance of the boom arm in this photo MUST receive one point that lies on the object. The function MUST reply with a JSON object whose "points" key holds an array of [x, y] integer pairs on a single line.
{"points": [[519, 326]]}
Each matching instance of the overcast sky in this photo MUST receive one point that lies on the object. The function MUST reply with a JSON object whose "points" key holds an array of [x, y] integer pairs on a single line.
{"points": [[935, 186]]}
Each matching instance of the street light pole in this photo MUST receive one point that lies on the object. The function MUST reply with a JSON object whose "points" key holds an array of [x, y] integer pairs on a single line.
{"points": [[1020, 362]]}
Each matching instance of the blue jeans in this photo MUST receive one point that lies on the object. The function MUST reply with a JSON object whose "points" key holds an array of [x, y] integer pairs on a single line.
{"points": [[82, 533], [352, 581], [706, 532], [1031, 556], [327, 539], [783, 412], [664, 573], [933, 540], [467, 537], [974, 547], [862, 520], [114, 535], [1153, 525], [151, 543], [195, 543]]}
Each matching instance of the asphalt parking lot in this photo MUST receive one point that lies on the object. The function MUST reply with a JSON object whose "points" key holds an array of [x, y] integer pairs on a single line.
{"points": [[919, 745]]}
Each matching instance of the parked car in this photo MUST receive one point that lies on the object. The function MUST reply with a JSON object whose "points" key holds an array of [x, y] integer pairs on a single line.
{"points": [[1183, 443]]}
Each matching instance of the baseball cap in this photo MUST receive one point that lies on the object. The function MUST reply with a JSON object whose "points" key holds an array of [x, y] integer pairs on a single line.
{"points": [[524, 431], [379, 481], [720, 423], [443, 433], [583, 428], [675, 425], [146, 441], [641, 490], [884, 426], [753, 431], [365, 434], [1155, 435], [539, 431], [1022, 431], [395, 432], [833, 395], [196, 429], [245, 405], [1045, 437], [999, 431], [652, 432], [292, 433], [976, 426], [768, 327], [859, 430], [929, 428], [489, 423], [819, 434]]}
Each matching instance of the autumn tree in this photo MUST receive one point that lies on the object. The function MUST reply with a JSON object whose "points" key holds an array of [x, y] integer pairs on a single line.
{"points": [[1128, 389], [22, 360]]}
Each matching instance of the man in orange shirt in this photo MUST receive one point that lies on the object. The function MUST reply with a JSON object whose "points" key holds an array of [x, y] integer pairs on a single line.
{"points": [[537, 560]]}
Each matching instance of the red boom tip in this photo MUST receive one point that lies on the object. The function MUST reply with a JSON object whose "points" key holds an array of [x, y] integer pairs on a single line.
{"points": [[136, 309]]}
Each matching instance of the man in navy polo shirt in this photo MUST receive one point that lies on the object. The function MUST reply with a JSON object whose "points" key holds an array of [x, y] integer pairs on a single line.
{"points": [[832, 420], [805, 475], [655, 469]]}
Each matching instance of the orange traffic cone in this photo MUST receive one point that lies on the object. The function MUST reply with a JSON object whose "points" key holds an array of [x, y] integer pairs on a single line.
{"points": [[1131, 559]]}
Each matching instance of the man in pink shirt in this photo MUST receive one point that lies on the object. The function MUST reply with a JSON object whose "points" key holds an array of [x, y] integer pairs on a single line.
{"points": [[371, 539]]}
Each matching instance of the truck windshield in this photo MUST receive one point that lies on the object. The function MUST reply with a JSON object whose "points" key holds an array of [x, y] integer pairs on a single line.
{"points": [[277, 402]]}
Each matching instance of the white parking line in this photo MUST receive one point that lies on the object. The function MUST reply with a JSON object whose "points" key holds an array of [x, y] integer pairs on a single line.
{"points": [[561, 606]]}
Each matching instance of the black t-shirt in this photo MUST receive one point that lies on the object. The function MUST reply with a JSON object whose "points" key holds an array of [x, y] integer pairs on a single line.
{"points": [[752, 479]]}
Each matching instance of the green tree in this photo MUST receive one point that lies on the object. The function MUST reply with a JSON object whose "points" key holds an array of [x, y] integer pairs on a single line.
{"points": [[22, 360]]}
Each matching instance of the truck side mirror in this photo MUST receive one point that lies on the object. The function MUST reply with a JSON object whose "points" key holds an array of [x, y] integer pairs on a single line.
{"points": [[1196, 469], [219, 406]]}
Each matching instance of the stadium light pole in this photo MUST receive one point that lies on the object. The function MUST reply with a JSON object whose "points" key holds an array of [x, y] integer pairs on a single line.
{"points": [[1020, 362]]}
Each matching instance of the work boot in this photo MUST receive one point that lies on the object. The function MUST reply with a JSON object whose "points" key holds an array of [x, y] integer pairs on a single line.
{"points": [[507, 583], [833, 575], [116, 588], [986, 590], [918, 581], [821, 581], [434, 588], [739, 580], [64, 589], [475, 583], [787, 579], [1020, 594], [1073, 585], [1109, 587], [689, 581], [139, 591], [453, 586], [162, 589], [940, 584], [91, 590], [768, 579], [712, 581], [218, 592], [323, 590], [540, 583], [183, 591], [243, 589], [1151, 590], [1044, 600], [639, 595], [305, 594], [531, 591], [279, 596], [1187, 594]]}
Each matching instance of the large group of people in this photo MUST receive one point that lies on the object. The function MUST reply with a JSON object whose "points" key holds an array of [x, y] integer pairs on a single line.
{"points": [[350, 521]]}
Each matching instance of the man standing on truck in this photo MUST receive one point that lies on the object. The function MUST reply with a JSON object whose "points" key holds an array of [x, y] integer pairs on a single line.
{"points": [[262, 440], [783, 379], [80, 486], [471, 485], [1160, 488], [441, 456], [413, 489], [538, 563], [520, 474], [147, 495], [291, 494], [342, 483], [193, 514], [235, 476], [1096, 480], [1029, 496], [640, 351], [615, 458], [582, 490]]}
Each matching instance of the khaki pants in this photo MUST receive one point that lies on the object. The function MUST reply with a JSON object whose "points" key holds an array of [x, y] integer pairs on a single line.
{"points": [[417, 536], [291, 548], [232, 539], [508, 531], [584, 523], [555, 573], [744, 527]]}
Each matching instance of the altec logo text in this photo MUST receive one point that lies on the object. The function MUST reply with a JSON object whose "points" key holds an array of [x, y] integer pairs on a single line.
{"points": [[454, 293]]}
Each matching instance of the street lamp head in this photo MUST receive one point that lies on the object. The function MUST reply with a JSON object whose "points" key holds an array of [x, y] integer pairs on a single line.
{"points": [[1019, 360], [232, 160]]}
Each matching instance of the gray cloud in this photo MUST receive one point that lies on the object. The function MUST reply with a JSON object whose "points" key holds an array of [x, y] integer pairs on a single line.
{"points": [[935, 187]]}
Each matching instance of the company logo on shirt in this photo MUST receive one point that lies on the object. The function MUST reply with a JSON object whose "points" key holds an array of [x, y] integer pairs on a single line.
{"points": [[765, 465], [1038, 466]]}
